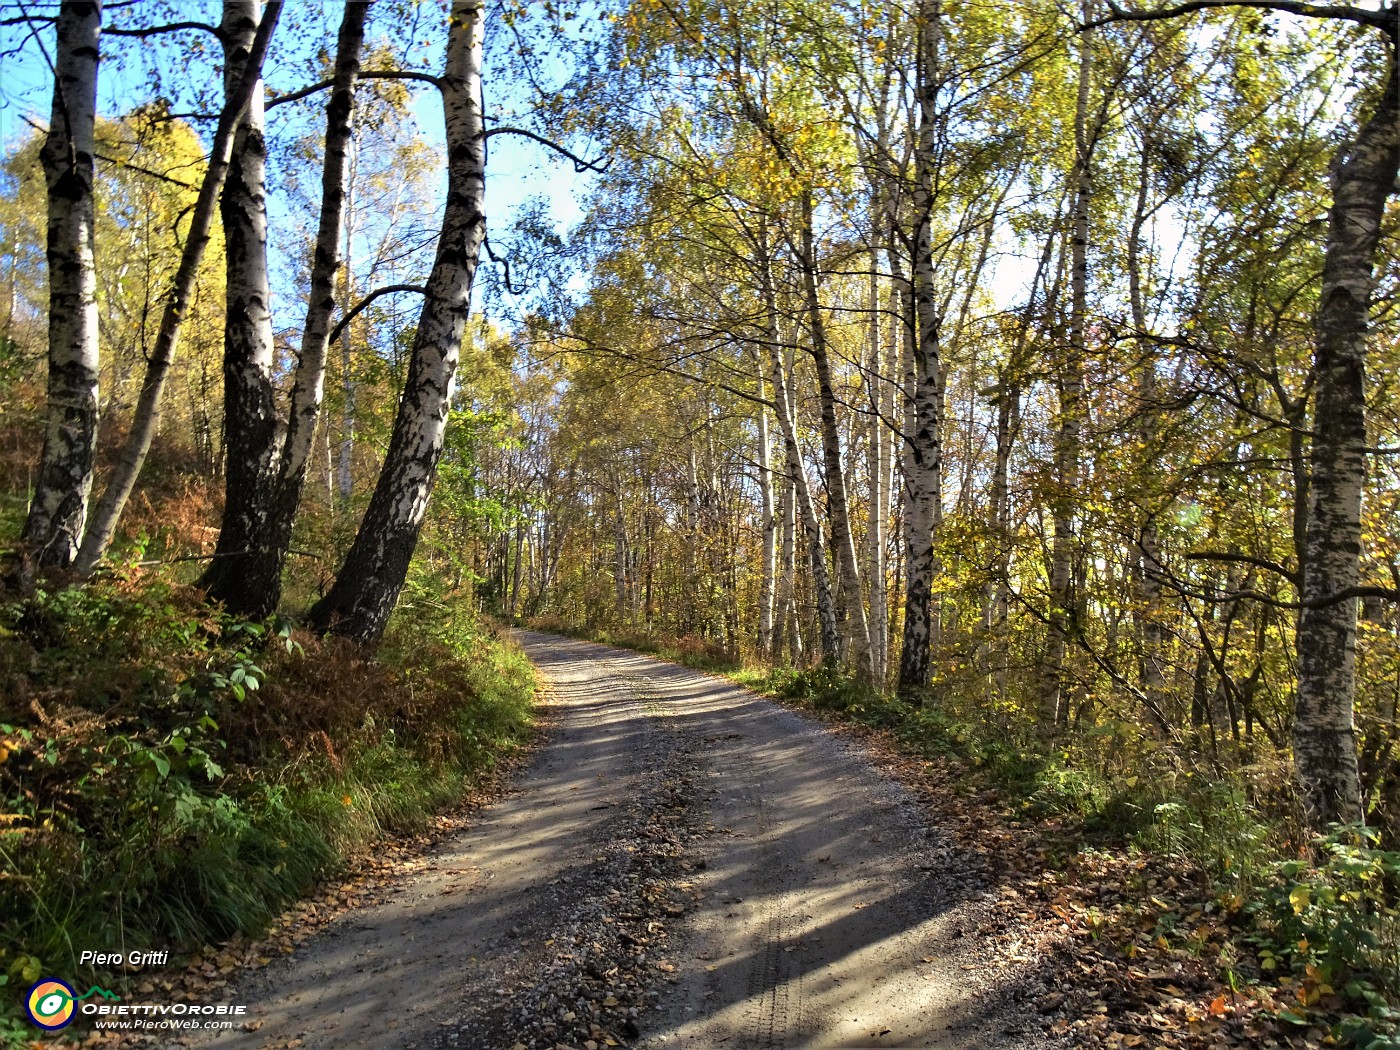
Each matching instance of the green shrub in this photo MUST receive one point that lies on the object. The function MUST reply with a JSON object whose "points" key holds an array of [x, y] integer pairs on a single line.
{"points": [[1332, 921], [169, 777]]}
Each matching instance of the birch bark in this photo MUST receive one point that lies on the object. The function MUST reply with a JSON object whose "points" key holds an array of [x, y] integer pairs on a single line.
{"points": [[923, 443], [877, 452], [147, 413], [1324, 732], [238, 575], [53, 529], [365, 592], [267, 463]]}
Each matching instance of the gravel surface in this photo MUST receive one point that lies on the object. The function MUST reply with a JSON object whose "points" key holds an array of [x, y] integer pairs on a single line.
{"points": [[683, 865]]}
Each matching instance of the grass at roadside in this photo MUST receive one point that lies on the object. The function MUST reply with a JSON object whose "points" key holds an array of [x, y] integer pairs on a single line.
{"points": [[1187, 897], [171, 778]]}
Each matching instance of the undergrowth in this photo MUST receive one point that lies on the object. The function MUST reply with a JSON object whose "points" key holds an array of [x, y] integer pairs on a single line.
{"points": [[170, 777]]}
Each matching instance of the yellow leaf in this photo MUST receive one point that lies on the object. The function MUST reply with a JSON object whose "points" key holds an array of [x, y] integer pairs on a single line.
{"points": [[1299, 898]]}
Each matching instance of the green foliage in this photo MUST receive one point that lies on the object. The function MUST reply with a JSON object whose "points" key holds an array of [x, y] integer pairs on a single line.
{"points": [[1212, 825], [1331, 922], [169, 777]]}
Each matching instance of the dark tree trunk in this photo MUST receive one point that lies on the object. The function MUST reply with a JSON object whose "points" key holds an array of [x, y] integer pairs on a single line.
{"points": [[241, 574], [266, 475], [850, 603]]}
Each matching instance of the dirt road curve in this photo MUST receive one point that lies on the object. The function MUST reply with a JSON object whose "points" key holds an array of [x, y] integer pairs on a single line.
{"points": [[684, 865]]}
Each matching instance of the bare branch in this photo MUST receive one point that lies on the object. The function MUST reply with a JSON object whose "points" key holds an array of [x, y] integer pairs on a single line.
{"points": [[502, 262], [224, 554], [1246, 559], [383, 74], [1382, 20], [117, 162], [173, 27], [580, 165], [358, 308]]}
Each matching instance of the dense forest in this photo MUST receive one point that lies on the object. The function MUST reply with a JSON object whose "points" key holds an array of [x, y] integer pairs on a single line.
{"points": [[1027, 368], [1012, 359]]}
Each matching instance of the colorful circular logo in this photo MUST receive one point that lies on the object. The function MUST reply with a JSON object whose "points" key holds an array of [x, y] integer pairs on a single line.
{"points": [[51, 1003]]}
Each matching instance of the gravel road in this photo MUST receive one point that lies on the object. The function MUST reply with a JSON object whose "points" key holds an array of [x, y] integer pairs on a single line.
{"points": [[683, 865]]}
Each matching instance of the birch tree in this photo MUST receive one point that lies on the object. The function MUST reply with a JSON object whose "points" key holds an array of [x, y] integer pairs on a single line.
{"points": [[1363, 176], [267, 459], [923, 441], [365, 591], [57, 516], [250, 392], [143, 427]]}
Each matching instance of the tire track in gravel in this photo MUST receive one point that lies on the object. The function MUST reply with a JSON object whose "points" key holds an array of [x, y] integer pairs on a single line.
{"points": [[833, 915], [442, 955], [683, 865]]}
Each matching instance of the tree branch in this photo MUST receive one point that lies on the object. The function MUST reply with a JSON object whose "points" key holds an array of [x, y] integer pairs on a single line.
{"points": [[383, 74], [117, 162], [503, 263], [580, 165], [1382, 20], [173, 27], [1246, 559], [358, 308], [224, 554]]}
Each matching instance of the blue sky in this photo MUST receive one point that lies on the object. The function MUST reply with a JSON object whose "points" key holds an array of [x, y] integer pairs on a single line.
{"points": [[519, 169]]}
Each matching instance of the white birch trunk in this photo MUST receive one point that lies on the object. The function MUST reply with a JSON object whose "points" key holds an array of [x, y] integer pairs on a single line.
{"points": [[54, 527], [147, 414], [923, 440], [1324, 732], [364, 594], [877, 453], [236, 576], [264, 490]]}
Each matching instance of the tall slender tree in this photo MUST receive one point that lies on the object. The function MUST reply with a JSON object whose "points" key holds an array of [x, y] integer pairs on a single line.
{"points": [[147, 412], [923, 441], [1363, 177], [267, 460], [365, 591], [54, 528]]}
